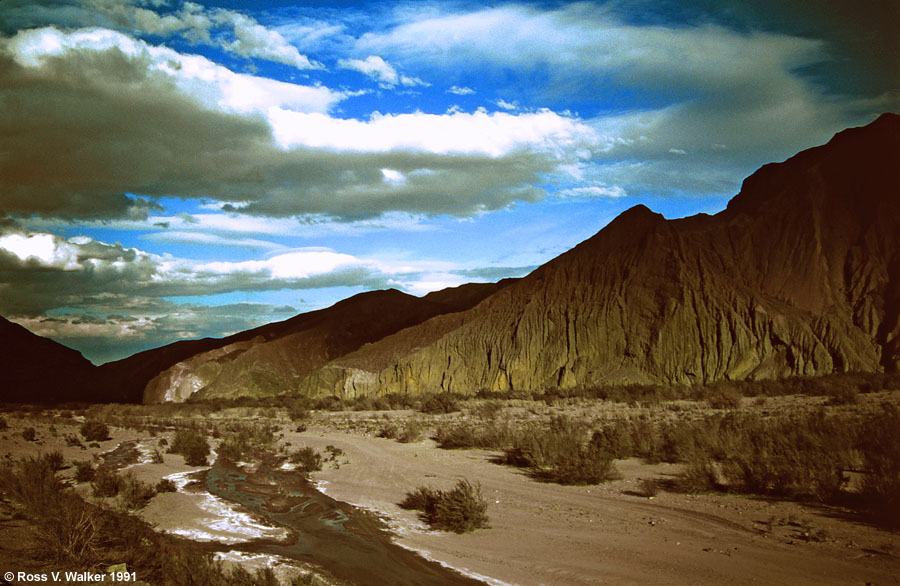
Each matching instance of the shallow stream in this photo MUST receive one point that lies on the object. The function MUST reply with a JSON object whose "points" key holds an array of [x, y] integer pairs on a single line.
{"points": [[351, 544]]}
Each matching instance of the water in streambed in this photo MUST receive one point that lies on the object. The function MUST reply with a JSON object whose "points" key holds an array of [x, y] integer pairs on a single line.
{"points": [[349, 543]]}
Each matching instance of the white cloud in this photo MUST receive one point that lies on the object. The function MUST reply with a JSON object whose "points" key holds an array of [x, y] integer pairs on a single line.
{"points": [[507, 105], [254, 40], [461, 90], [677, 151], [197, 78], [492, 134], [80, 273], [381, 71], [593, 191], [148, 120]]}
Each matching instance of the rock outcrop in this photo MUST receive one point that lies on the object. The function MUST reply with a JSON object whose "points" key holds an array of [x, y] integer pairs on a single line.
{"points": [[800, 275]]}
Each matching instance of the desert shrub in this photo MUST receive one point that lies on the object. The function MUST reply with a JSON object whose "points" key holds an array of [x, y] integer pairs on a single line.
{"points": [[588, 464], [879, 445], [31, 481], [106, 482], [191, 444], [333, 452], [648, 487], [94, 431], [388, 430], [491, 434], [73, 441], [29, 434], [699, 475], [460, 509], [84, 471], [55, 460], [541, 446], [441, 403], [411, 432], [723, 397], [488, 409], [166, 485], [261, 577], [3, 424], [133, 493], [307, 460], [843, 395]]}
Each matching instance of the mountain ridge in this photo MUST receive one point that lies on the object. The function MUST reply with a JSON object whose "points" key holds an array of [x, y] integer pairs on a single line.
{"points": [[798, 275]]}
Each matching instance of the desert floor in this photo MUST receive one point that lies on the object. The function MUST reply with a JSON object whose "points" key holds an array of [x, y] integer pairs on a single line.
{"points": [[540, 533]]}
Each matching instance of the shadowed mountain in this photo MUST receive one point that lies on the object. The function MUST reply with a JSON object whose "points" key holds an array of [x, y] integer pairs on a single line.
{"points": [[38, 370], [800, 275]]}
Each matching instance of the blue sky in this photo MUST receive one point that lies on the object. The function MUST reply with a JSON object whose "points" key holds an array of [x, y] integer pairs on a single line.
{"points": [[172, 170]]}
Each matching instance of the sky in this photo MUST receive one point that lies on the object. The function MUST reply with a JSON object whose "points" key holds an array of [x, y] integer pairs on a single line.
{"points": [[174, 170]]}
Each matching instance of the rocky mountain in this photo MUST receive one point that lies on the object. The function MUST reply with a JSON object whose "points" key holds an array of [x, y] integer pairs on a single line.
{"points": [[39, 370], [800, 275], [271, 360]]}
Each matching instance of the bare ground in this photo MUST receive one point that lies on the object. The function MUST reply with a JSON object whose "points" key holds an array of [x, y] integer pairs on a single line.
{"points": [[543, 533]]}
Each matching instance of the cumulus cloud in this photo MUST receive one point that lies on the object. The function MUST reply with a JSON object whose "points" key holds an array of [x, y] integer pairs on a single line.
{"points": [[94, 114], [381, 71], [254, 40], [461, 90], [226, 29]]}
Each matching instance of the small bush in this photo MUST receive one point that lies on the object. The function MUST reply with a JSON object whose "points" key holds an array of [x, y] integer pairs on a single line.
{"points": [[84, 471], [3, 424], [388, 430], [460, 509], [166, 485], [106, 482], [191, 444], [307, 460], [133, 493], [29, 434], [843, 395], [56, 461], [95, 431], [411, 432], [441, 403], [721, 397], [73, 441]]}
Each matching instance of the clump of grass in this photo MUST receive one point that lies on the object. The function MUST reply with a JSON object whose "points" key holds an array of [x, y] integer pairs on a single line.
{"points": [[29, 434], [94, 431], [460, 509]]}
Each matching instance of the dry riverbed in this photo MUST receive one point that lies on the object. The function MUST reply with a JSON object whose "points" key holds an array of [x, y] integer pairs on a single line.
{"points": [[540, 533]]}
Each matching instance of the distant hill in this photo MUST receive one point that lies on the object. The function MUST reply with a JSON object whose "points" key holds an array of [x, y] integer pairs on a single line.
{"points": [[38, 370], [272, 359]]}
